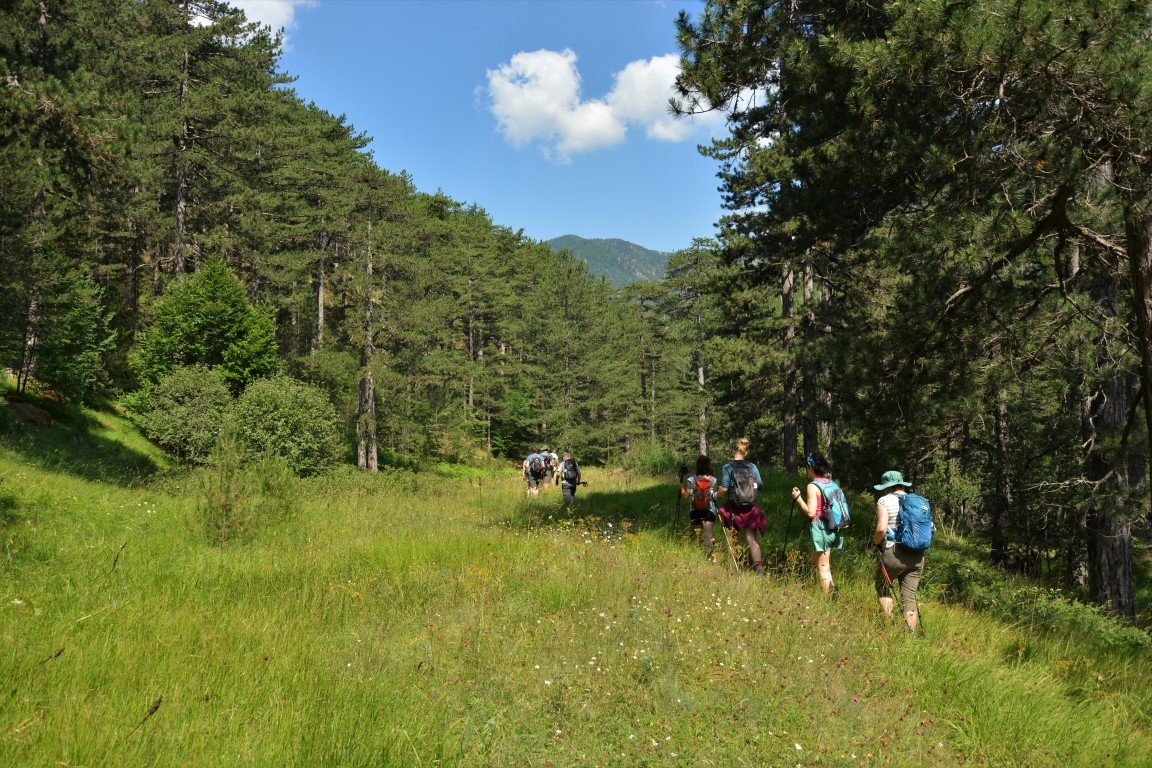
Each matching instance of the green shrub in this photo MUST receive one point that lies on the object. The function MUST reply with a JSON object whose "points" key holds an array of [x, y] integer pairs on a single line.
{"points": [[286, 418], [206, 319], [237, 495], [984, 588], [652, 459], [184, 411]]}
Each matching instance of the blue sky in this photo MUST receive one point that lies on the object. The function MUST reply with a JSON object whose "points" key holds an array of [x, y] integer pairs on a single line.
{"points": [[549, 114]]}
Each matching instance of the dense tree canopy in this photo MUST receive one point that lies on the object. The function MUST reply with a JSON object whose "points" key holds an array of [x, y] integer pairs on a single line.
{"points": [[167, 190], [958, 195]]}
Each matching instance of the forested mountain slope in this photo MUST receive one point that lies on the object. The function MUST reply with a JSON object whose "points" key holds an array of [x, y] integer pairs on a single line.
{"points": [[620, 261]]}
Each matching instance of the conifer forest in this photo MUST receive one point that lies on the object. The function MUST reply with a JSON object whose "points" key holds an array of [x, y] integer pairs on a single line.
{"points": [[936, 256]]}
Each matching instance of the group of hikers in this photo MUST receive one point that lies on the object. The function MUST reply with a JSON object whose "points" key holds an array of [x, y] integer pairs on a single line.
{"points": [[903, 522], [902, 535], [543, 467]]}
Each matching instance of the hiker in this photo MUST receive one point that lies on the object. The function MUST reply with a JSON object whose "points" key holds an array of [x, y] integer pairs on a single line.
{"points": [[533, 471], [701, 489], [549, 465], [816, 506], [740, 481], [895, 561], [569, 475], [553, 466]]}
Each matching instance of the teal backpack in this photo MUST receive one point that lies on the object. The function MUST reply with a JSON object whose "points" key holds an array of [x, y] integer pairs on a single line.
{"points": [[836, 512], [915, 528]]}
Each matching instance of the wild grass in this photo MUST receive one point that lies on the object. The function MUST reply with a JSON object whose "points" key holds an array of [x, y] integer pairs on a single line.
{"points": [[411, 619]]}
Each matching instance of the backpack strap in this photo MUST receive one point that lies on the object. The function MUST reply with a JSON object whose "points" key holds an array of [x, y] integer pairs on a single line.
{"points": [[821, 498]]}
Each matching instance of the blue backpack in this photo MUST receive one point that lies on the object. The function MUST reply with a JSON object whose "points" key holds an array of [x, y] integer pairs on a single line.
{"points": [[836, 513], [915, 528]]}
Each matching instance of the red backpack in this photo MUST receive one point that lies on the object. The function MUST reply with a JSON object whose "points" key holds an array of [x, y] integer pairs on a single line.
{"points": [[702, 492]]}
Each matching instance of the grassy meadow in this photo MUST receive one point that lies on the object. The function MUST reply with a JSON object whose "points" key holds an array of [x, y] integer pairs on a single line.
{"points": [[441, 618]]}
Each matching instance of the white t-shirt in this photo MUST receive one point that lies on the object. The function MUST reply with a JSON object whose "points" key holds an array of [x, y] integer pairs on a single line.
{"points": [[890, 503]]}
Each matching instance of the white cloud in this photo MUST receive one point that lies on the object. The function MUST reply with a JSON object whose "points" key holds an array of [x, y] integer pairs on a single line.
{"points": [[536, 97], [277, 14], [641, 95]]}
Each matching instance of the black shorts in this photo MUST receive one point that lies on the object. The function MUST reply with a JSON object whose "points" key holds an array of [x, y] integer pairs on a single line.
{"points": [[699, 517]]}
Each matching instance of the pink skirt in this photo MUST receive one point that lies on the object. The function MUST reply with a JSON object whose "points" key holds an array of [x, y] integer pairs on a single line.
{"points": [[740, 519]]}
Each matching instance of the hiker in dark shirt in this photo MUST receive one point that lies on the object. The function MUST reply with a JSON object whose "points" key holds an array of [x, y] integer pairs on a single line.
{"points": [[569, 478]]}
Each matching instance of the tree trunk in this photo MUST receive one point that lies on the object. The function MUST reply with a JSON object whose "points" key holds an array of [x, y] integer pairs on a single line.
{"points": [[1138, 236], [179, 265], [808, 386], [366, 453], [318, 340], [789, 430], [703, 417], [1116, 473], [27, 369], [1002, 505]]}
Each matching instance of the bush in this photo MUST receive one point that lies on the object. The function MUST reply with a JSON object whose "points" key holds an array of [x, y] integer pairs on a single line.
{"points": [[237, 496], [205, 319], [184, 411], [984, 588], [286, 418], [651, 459]]}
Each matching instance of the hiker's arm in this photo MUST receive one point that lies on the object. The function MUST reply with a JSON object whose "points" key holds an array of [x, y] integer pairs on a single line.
{"points": [[807, 507], [881, 525]]}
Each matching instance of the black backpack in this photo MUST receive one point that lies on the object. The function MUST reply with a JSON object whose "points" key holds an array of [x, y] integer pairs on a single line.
{"points": [[742, 485], [536, 467], [569, 472]]}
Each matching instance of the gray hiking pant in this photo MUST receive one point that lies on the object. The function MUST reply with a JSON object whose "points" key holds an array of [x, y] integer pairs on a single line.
{"points": [[905, 566]]}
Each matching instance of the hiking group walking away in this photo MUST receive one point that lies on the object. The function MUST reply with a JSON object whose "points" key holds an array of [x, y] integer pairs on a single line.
{"points": [[543, 467], [900, 540], [902, 536]]}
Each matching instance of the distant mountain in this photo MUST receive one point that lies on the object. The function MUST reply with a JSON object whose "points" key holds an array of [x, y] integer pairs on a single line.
{"points": [[620, 261]]}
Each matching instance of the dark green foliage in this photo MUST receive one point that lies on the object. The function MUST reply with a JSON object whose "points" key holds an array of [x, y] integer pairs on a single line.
{"points": [[940, 219], [54, 328], [286, 418], [205, 319], [184, 411], [975, 584], [652, 459]]}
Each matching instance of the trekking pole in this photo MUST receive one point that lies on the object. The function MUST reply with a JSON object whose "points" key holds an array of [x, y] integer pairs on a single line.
{"points": [[728, 541], [888, 581]]}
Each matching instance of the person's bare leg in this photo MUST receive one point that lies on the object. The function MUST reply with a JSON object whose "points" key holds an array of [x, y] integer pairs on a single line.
{"points": [[822, 561], [753, 549]]}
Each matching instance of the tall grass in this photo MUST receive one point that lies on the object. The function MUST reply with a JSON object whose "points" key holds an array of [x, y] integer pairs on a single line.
{"points": [[410, 619]]}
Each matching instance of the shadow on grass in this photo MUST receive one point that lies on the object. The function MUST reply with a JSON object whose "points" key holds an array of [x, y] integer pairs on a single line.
{"points": [[646, 509], [75, 443]]}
